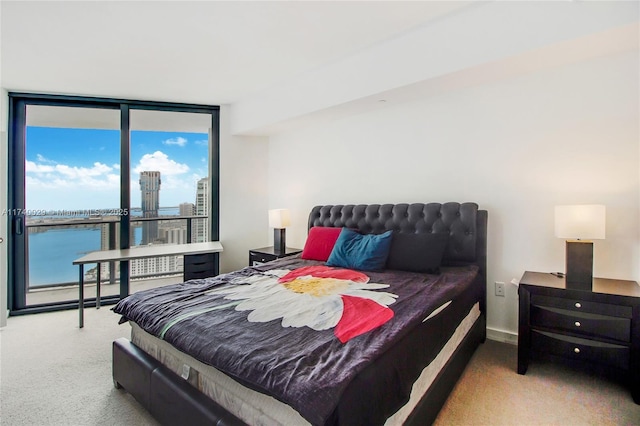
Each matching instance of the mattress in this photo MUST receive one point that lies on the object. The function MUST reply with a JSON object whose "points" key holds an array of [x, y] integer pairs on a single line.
{"points": [[256, 408]]}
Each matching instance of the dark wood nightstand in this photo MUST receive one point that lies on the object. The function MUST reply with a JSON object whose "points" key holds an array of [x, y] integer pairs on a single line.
{"points": [[598, 328], [200, 265], [267, 254]]}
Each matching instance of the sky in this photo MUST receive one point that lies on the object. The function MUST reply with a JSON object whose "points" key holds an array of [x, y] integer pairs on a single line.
{"points": [[76, 169]]}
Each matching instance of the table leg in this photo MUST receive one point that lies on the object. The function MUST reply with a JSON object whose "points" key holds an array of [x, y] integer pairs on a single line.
{"points": [[98, 286], [81, 296]]}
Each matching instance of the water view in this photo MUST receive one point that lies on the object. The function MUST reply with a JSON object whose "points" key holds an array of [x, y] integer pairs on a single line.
{"points": [[52, 250]]}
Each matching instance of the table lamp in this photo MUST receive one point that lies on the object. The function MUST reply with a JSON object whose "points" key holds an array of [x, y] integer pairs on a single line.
{"points": [[579, 224], [278, 220]]}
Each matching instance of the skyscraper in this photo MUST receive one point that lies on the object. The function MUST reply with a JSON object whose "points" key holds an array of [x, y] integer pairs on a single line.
{"points": [[150, 200], [186, 209], [201, 226]]}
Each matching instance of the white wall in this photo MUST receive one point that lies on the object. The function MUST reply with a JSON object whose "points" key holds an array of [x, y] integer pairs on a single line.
{"points": [[517, 148], [243, 195]]}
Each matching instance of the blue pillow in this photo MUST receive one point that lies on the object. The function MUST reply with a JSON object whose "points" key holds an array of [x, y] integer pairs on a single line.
{"points": [[357, 251]]}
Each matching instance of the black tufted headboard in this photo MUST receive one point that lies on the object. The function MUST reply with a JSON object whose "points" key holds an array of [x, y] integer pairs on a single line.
{"points": [[465, 224]]}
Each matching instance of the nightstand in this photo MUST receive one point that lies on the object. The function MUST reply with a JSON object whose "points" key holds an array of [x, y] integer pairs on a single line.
{"points": [[267, 254], [201, 265], [597, 328]]}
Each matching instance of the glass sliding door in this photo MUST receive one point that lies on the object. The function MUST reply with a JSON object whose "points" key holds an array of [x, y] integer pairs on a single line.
{"points": [[169, 169], [89, 174], [71, 197]]}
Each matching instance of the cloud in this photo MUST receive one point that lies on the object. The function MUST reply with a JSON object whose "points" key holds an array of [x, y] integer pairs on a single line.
{"points": [[159, 161], [32, 167], [63, 186], [203, 142], [57, 186], [69, 172], [180, 141], [53, 191], [42, 159]]}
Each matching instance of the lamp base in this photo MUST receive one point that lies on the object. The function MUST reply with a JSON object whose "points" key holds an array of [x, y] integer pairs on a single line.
{"points": [[579, 267], [279, 241]]}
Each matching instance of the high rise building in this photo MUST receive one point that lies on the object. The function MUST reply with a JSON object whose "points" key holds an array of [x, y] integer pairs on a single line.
{"points": [[154, 266], [175, 235], [150, 203], [187, 209], [108, 241], [201, 226]]}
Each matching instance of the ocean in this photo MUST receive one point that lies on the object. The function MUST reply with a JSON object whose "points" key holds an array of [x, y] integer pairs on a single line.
{"points": [[51, 253]]}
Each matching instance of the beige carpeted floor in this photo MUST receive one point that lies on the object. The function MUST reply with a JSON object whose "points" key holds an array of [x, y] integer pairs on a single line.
{"points": [[53, 373], [490, 392]]}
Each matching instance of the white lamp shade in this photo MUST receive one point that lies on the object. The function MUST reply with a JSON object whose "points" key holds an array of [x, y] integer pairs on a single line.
{"points": [[279, 218], [582, 222]]}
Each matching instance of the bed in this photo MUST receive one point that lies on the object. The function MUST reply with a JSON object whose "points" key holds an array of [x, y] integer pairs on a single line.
{"points": [[386, 345]]}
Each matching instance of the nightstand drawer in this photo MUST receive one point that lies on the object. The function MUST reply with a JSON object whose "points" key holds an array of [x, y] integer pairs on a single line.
{"points": [[196, 259], [199, 274], [582, 306], [581, 349], [268, 254], [588, 324], [258, 258]]}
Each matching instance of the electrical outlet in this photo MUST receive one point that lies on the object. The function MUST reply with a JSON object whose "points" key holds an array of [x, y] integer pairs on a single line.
{"points": [[499, 288]]}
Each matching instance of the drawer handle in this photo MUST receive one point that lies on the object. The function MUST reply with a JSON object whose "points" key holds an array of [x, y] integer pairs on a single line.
{"points": [[577, 323], [578, 305], [576, 350]]}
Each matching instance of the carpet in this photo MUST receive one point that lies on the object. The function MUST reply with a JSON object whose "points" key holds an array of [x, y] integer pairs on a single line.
{"points": [[53, 373]]}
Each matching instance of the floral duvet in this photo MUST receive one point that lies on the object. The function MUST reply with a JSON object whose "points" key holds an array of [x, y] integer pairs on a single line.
{"points": [[303, 332]]}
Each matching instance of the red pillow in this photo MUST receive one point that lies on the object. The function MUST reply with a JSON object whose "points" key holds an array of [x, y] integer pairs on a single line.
{"points": [[320, 242]]}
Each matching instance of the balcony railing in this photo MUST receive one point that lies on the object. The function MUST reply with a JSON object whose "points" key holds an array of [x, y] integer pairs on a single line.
{"points": [[176, 230]]}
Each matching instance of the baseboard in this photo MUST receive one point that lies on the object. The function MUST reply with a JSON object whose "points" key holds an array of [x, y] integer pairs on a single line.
{"points": [[502, 336]]}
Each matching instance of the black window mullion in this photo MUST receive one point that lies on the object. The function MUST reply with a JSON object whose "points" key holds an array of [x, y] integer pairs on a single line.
{"points": [[125, 195], [214, 177], [110, 103], [214, 183], [16, 295]]}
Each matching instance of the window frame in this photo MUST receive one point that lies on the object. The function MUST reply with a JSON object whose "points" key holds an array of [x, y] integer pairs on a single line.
{"points": [[18, 103]]}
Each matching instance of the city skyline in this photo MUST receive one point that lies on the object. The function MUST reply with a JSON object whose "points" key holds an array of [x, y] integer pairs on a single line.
{"points": [[63, 163]]}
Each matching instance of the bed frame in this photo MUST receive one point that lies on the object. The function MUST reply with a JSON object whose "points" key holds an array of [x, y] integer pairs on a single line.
{"points": [[172, 400]]}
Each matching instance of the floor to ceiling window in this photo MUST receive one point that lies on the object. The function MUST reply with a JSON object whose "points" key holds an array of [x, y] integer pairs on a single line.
{"points": [[91, 174]]}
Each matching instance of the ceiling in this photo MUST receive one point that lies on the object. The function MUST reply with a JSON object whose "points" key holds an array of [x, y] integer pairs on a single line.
{"points": [[282, 64], [205, 52]]}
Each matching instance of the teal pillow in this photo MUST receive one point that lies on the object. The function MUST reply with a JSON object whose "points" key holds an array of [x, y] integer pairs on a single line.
{"points": [[363, 252]]}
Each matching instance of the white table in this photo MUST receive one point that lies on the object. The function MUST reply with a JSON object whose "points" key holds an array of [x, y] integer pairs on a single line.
{"points": [[135, 253]]}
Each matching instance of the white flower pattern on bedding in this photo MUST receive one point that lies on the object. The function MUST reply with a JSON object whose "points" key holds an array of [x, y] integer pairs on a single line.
{"points": [[318, 297]]}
